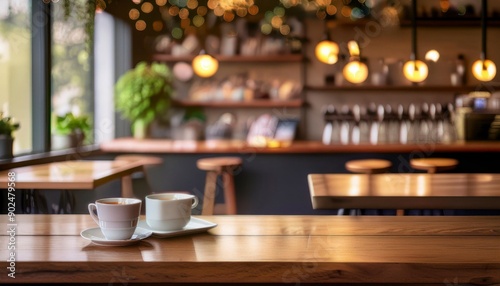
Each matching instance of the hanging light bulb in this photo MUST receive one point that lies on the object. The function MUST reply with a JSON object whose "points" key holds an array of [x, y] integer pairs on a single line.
{"points": [[415, 70], [484, 69], [432, 55], [327, 52], [355, 71], [205, 65]]}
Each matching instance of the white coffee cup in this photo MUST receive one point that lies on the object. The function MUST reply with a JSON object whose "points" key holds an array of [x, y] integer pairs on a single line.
{"points": [[117, 217], [169, 211]]}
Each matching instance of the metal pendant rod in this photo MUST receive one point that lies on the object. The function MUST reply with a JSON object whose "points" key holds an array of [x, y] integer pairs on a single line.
{"points": [[414, 30], [484, 16]]}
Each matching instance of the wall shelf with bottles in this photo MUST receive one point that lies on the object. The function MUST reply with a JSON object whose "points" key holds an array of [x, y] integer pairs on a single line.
{"points": [[416, 88], [239, 59], [261, 103]]}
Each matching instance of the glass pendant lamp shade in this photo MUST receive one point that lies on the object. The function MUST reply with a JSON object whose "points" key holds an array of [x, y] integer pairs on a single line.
{"points": [[484, 70], [355, 72], [205, 65], [327, 52], [415, 70]]}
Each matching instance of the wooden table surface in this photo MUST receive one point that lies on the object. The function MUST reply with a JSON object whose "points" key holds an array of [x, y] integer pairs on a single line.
{"points": [[405, 191], [78, 174], [264, 249]]}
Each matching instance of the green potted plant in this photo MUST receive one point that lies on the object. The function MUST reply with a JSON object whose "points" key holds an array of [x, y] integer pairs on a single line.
{"points": [[143, 95], [69, 130], [7, 126]]}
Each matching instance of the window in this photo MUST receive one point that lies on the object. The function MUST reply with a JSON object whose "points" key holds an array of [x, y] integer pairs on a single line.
{"points": [[71, 72], [15, 69]]}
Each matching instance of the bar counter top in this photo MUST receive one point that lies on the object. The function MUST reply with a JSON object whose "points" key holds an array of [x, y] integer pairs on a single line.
{"points": [[131, 145]]}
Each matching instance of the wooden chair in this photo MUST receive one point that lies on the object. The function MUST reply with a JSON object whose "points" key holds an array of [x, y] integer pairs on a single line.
{"points": [[147, 161], [226, 167], [366, 166], [433, 165]]}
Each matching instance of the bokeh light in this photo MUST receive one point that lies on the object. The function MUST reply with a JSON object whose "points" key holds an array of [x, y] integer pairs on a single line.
{"points": [[147, 7], [140, 25], [134, 14], [158, 26]]}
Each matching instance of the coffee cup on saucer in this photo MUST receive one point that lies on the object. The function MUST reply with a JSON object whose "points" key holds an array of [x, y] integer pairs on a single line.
{"points": [[117, 217], [169, 211]]}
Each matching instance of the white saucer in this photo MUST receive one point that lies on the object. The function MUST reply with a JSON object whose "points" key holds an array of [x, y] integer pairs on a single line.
{"points": [[195, 225], [95, 235]]}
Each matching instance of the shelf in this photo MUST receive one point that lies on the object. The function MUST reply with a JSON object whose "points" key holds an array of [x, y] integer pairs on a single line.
{"points": [[235, 59], [415, 88], [450, 22], [262, 103]]}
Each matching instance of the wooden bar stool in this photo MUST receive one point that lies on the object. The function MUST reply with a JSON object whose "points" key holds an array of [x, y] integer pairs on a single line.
{"points": [[146, 161], [366, 166], [433, 165], [224, 166]]}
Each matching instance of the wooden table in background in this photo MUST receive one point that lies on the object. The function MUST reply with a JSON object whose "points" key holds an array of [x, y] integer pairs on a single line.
{"points": [[264, 249], [68, 175], [405, 191]]}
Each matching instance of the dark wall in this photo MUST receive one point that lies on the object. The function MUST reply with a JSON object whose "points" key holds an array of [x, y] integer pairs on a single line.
{"points": [[277, 183], [272, 184]]}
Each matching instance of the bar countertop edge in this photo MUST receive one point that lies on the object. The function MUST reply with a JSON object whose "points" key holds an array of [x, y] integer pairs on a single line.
{"points": [[131, 145]]}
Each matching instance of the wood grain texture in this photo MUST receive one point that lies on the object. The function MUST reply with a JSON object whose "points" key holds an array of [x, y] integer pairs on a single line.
{"points": [[266, 249], [405, 191], [127, 145], [70, 174], [72, 225]]}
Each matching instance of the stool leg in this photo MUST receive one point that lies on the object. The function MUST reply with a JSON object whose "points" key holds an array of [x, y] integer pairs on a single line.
{"points": [[229, 195], [127, 191], [209, 196], [400, 212]]}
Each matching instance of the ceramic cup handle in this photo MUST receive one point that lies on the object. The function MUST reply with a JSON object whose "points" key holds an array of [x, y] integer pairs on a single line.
{"points": [[93, 212], [195, 202]]}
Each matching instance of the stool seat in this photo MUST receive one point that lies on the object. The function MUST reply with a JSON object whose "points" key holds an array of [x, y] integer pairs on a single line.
{"points": [[433, 165], [368, 166], [218, 164], [224, 166]]}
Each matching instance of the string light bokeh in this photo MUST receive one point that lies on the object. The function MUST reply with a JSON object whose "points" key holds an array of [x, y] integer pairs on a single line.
{"points": [[186, 16]]}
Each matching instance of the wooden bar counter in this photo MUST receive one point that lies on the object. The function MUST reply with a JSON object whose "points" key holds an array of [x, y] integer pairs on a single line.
{"points": [[263, 249], [123, 145], [276, 173]]}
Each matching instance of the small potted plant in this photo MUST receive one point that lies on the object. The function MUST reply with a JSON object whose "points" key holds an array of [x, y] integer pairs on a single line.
{"points": [[143, 95], [69, 130], [7, 126]]}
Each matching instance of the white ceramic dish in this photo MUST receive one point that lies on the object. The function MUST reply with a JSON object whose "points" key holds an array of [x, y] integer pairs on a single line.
{"points": [[95, 235], [195, 225]]}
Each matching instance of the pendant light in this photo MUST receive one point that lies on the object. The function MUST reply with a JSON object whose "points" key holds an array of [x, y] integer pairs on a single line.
{"points": [[414, 70], [327, 51], [204, 65], [484, 69], [355, 71]]}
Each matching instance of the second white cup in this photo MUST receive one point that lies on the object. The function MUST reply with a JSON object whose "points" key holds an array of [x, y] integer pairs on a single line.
{"points": [[169, 211]]}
